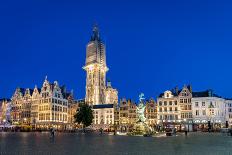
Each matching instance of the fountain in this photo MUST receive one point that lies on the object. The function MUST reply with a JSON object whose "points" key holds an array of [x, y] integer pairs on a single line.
{"points": [[141, 127]]}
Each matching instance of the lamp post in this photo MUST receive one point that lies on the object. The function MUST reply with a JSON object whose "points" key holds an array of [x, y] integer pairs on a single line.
{"points": [[185, 125], [209, 123], [4, 122], [25, 121], [34, 122]]}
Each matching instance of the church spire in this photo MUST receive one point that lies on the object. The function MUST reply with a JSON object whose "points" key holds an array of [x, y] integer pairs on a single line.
{"points": [[95, 34], [46, 78]]}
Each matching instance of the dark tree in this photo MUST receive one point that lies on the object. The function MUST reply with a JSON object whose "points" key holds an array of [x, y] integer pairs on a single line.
{"points": [[84, 115]]}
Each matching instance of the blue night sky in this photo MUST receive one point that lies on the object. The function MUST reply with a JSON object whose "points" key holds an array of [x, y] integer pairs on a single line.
{"points": [[150, 46]]}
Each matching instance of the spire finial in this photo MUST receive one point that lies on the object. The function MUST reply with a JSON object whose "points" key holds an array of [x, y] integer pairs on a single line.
{"points": [[72, 92], [95, 35]]}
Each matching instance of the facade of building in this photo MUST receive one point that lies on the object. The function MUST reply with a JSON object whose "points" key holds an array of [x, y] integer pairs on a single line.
{"points": [[73, 108], [174, 109], [102, 97], [151, 112], [41, 108], [127, 114], [36, 97], [5, 108], [116, 115], [103, 116], [228, 112], [208, 107], [111, 94], [184, 101], [168, 109], [21, 106]]}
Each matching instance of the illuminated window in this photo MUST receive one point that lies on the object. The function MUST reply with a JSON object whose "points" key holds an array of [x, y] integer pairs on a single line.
{"points": [[203, 112], [176, 117], [165, 103], [165, 109], [197, 112], [203, 104]]}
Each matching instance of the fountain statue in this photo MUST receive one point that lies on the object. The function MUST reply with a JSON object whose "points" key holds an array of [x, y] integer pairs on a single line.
{"points": [[141, 108], [141, 127]]}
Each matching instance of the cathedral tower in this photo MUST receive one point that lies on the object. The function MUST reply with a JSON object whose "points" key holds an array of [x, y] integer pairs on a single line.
{"points": [[95, 67]]}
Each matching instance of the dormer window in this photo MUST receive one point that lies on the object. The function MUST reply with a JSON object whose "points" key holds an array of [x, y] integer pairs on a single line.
{"points": [[167, 94]]}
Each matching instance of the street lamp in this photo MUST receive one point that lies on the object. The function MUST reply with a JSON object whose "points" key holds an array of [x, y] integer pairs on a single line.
{"points": [[185, 125], [25, 120], [4, 122]]}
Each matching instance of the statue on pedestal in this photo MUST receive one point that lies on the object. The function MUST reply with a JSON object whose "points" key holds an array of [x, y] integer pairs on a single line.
{"points": [[141, 108], [141, 127]]}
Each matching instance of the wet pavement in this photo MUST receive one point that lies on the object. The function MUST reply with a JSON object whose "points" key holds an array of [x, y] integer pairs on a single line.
{"points": [[88, 144]]}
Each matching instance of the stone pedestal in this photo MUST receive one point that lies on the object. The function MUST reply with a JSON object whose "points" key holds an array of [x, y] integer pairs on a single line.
{"points": [[140, 128]]}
